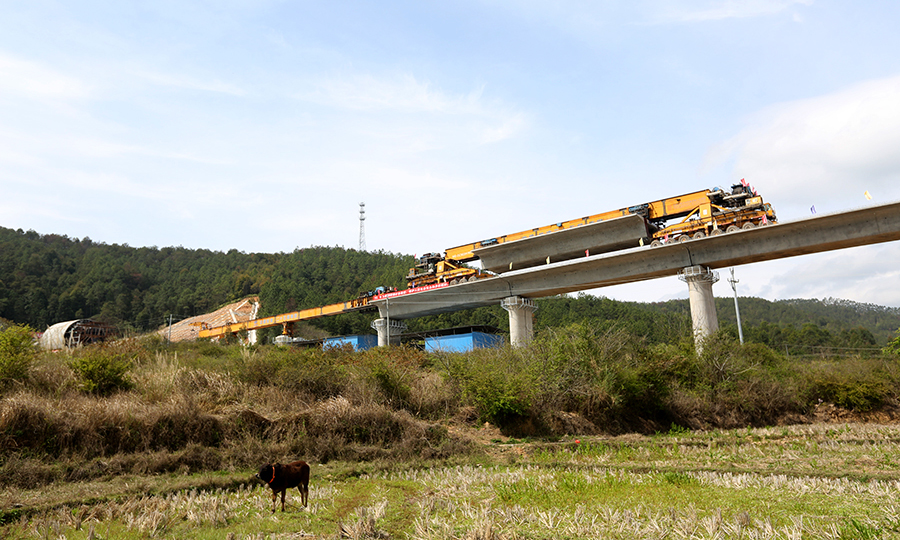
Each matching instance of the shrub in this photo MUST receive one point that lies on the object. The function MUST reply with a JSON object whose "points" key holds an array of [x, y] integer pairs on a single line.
{"points": [[392, 381], [602, 372], [102, 371], [16, 354], [853, 383], [321, 374], [893, 346], [499, 382]]}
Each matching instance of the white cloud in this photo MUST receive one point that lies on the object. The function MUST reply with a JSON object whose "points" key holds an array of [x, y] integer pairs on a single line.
{"points": [[859, 274], [192, 83], [506, 129], [694, 11], [406, 95], [585, 19], [403, 94], [826, 150], [32, 80]]}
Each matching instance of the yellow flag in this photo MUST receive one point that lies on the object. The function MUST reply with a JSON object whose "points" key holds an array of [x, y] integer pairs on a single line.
{"points": [[868, 195]]}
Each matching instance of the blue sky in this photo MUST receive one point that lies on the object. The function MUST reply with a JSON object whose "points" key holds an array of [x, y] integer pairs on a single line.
{"points": [[260, 126]]}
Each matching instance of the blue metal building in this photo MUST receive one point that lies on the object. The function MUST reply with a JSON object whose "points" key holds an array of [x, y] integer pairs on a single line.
{"points": [[359, 342], [463, 342]]}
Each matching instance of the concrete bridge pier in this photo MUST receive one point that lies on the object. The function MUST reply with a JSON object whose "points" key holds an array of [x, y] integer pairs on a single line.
{"points": [[388, 331], [521, 319], [703, 304]]}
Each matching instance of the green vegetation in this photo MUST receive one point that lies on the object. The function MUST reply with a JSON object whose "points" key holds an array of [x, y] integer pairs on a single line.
{"points": [[45, 279], [893, 346], [791, 482], [101, 370], [137, 439], [17, 352], [609, 425]]}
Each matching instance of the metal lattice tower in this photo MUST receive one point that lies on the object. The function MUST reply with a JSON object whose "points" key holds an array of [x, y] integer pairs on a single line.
{"points": [[362, 226]]}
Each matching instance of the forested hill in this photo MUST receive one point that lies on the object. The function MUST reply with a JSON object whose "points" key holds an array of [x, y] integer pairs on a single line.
{"points": [[45, 279], [764, 318]]}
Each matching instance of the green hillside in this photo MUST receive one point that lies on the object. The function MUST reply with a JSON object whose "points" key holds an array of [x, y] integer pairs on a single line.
{"points": [[50, 278]]}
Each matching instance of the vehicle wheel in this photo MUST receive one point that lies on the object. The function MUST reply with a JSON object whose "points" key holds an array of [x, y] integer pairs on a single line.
{"points": [[655, 243], [473, 278], [454, 281], [715, 232], [699, 234], [747, 226], [684, 238], [732, 228]]}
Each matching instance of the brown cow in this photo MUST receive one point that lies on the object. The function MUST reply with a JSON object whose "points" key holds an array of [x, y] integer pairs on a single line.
{"points": [[283, 477]]}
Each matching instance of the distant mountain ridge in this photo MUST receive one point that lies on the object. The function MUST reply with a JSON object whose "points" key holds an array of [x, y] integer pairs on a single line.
{"points": [[832, 314]]}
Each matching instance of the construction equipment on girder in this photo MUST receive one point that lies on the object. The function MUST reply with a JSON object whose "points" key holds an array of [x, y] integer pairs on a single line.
{"points": [[703, 213]]}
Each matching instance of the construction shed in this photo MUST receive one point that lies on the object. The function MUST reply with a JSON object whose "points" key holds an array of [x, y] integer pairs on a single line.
{"points": [[460, 339], [74, 333], [360, 342]]}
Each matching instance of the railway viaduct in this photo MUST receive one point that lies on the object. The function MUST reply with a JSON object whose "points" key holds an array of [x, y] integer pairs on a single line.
{"points": [[694, 262]]}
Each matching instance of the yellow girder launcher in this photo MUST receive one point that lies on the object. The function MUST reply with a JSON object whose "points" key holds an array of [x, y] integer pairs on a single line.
{"points": [[287, 320], [465, 253], [699, 209], [702, 213]]}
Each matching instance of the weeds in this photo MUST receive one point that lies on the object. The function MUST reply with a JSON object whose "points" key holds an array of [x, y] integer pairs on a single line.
{"points": [[17, 353], [202, 407], [102, 370]]}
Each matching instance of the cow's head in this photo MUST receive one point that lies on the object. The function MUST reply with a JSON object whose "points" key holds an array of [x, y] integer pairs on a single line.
{"points": [[267, 473]]}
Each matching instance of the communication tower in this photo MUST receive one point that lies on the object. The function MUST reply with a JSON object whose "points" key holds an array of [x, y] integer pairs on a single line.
{"points": [[362, 226]]}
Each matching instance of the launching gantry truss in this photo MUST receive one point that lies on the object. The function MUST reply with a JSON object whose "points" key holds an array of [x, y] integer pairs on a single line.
{"points": [[287, 320]]}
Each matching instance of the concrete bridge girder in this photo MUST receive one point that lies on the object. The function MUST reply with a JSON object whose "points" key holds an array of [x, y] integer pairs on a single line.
{"points": [[812, 235]]}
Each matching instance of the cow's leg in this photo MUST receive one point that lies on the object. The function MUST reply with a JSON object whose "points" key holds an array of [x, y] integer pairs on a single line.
{"points": [[283, 493], [274, 500], [304, 493]]}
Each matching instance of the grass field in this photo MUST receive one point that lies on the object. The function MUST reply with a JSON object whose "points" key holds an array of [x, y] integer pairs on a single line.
{"points": [[806, 481]]}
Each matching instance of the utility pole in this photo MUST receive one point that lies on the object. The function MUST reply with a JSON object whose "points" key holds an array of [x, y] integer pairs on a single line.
{"points": [[169, 338], [737, 310]]}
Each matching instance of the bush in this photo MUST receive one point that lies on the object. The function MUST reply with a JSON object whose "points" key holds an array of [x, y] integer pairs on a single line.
{"points": [[392, 382], [17, 353], [102, 371], [856, 384], [499, 382], [893, 346], [320, 374], [601, 371]]}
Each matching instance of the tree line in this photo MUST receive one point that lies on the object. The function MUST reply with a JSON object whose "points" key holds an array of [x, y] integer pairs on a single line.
{"points": [[45, 279]]}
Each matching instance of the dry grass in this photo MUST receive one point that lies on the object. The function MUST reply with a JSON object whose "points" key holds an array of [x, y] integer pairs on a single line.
{"points": [[126, 462], [622, 487]]}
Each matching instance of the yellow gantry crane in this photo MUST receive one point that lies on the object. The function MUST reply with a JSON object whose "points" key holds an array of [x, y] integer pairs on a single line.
{"points": [[701, 213]]}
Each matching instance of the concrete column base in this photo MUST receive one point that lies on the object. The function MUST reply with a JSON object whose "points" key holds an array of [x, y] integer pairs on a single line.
{"points": [[388, 331], [703, 304], [521, 319]]}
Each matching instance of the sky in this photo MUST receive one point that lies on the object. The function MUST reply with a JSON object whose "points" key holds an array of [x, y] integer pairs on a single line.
{"points": [[261, 125]]}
